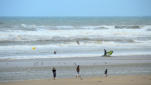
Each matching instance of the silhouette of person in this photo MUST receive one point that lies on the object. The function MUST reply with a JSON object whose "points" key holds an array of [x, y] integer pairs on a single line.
{"points": [[78, 42], [78, 72], [105, 72], [54, 52], [105, 52], [54, 72]]}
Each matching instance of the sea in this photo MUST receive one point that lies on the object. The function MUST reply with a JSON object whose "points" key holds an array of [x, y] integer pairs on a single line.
{"points": [[31, 46], [39, 37]]}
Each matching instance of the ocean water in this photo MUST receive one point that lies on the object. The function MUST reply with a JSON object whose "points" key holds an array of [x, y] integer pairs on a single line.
{"points": [[39, 37], [27, 46]]}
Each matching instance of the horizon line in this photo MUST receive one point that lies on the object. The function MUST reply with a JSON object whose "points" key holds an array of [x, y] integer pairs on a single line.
{"points": [[75, 16]]}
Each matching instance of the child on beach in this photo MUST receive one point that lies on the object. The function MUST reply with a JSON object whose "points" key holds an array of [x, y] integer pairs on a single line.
{"points": [[54, 72]]}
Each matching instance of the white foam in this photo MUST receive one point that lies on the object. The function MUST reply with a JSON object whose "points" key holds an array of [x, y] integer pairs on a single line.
{"points": [[44, 34], [88, 37]]}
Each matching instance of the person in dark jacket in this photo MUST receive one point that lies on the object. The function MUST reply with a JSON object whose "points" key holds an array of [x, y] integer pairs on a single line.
{"points": [[105, 52], [78, 72], [54, 72], [105, 72], [54, 52]]}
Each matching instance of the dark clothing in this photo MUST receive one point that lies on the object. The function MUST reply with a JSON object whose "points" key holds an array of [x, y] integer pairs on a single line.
{"points": [[105, 72], [78, 69], [105, 52], [54, 72], [78, 42], [78, 72], [54, 52]]}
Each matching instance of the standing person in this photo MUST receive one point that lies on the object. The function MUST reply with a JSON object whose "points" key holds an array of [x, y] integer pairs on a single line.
{"points": [[78, 42], [54, 52], [105, 53], [105, 72], [54, 72], [78, 72]]}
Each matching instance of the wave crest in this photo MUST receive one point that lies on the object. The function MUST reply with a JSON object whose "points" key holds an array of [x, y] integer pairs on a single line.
{"points": [[127, 27]]}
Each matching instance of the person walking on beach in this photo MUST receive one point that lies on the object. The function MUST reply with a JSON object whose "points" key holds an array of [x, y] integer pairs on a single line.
{"points": [[105, 72], [78, 72], [54, 72]]}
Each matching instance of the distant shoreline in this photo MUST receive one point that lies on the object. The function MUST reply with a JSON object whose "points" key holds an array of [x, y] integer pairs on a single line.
{"points": [[136, 57]]}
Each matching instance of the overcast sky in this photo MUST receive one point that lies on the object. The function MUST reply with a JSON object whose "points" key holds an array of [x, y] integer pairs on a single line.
{"points": [[75, 7]]}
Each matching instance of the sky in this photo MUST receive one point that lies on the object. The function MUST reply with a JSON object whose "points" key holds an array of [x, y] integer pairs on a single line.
{"points": [[75, 7]]}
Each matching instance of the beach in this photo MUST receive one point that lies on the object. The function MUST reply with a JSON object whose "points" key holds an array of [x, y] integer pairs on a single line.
{"points": [[31, 46], [110, 80], [75, 42], [31, 69]]}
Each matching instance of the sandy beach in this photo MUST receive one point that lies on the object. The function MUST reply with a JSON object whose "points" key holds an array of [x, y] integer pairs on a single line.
{"points": [[111, 80], [31, 46], [37, 69], [52, 42]]}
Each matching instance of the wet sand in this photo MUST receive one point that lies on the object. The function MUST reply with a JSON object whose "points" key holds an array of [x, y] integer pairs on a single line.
{"points": [[33, 69], [110, 80]]}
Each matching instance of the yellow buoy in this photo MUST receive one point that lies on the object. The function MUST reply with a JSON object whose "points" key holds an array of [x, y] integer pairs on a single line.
{"points": [[34, 48]]}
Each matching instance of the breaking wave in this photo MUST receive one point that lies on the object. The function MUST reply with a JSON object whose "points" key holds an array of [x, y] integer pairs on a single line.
{"points": [[127, 27], [45, 34]]}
